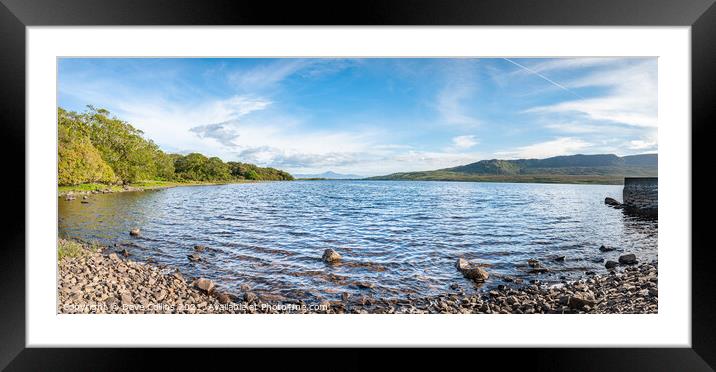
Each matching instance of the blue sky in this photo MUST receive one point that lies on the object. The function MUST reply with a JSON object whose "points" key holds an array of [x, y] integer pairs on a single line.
{"points": [[375, 116]]}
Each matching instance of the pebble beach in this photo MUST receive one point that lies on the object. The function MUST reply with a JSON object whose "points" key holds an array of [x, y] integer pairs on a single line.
{"points": [[101, 281]]}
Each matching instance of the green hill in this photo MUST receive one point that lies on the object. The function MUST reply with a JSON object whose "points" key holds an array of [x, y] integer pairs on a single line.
{"points": [[602, 169]]}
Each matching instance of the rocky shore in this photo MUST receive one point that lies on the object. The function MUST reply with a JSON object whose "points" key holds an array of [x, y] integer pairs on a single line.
{"points": [[96, 282], [73, 194], [70, 193]]}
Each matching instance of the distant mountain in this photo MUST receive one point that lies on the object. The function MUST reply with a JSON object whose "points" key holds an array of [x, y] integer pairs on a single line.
{"points": [[330, 176], [605, 168]]}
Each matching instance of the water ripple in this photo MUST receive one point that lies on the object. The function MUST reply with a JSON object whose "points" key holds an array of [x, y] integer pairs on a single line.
{"points": [[401, 237]]}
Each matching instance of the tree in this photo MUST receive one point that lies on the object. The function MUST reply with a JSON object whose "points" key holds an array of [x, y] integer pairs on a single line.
{"points": [[77, 160], [164, 166], [121, 145], [97, 147]]}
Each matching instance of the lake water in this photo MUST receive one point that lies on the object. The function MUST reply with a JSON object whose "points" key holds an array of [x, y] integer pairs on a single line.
{"points": [[401, 237]]}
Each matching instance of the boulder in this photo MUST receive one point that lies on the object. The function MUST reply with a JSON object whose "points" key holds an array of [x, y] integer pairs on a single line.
{"points": [[194, 257], [533, 263], [200, 248], [611, 264], [559, 258], [611, 202], [205, 285], [223, 298], [329, 255], [627, 259], [134, 232], [471, 271], [604, 248], [250, 297], [580, 300]]}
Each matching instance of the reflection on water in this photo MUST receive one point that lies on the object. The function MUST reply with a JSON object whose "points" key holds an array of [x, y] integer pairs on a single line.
{"points": [[401, 237]]}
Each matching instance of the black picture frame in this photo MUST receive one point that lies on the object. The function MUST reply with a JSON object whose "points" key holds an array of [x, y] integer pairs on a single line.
{"points": [[16, 15]]}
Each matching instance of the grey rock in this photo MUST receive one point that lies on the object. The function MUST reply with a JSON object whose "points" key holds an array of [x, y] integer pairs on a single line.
{"points": [[223, 298], [330, 255], [205, 285], [250, 297], [627, 259], [471, 271], [604, 248], [579, 301]]}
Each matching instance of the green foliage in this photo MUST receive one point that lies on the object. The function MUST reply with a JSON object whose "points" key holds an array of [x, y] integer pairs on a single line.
{"points": [[78, 161], [122, 146], [253, 172], [163, 166], [95, 147], [69, 248], [198, 167], [73, 248]]}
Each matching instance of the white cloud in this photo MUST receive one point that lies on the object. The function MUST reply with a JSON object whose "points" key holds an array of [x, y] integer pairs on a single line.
{"points": [[459, 88], [642, 145], [222, 133], [647, 143], [556, 147], [572, 63], [575, 127], [450, 105], [266, 75], [231, 109], [630, 99], [238, 106], [464, 142], [269, 75]]}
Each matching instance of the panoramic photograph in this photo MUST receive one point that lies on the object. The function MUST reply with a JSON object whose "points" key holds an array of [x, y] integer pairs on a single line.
{"points": [[357, 185]]}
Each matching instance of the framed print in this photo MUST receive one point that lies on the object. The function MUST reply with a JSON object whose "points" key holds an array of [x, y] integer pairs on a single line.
{"points": [[410, 174]]}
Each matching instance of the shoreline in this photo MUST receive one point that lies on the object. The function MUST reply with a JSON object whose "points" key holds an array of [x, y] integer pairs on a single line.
{"points": [[101, 281], [98, 188]]}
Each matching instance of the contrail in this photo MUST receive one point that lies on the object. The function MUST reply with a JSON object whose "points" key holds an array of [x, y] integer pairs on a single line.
{"points": [[543, 77]]}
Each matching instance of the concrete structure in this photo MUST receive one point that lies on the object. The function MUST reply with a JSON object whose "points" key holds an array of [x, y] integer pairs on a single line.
{"points": [[641, 195]]}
